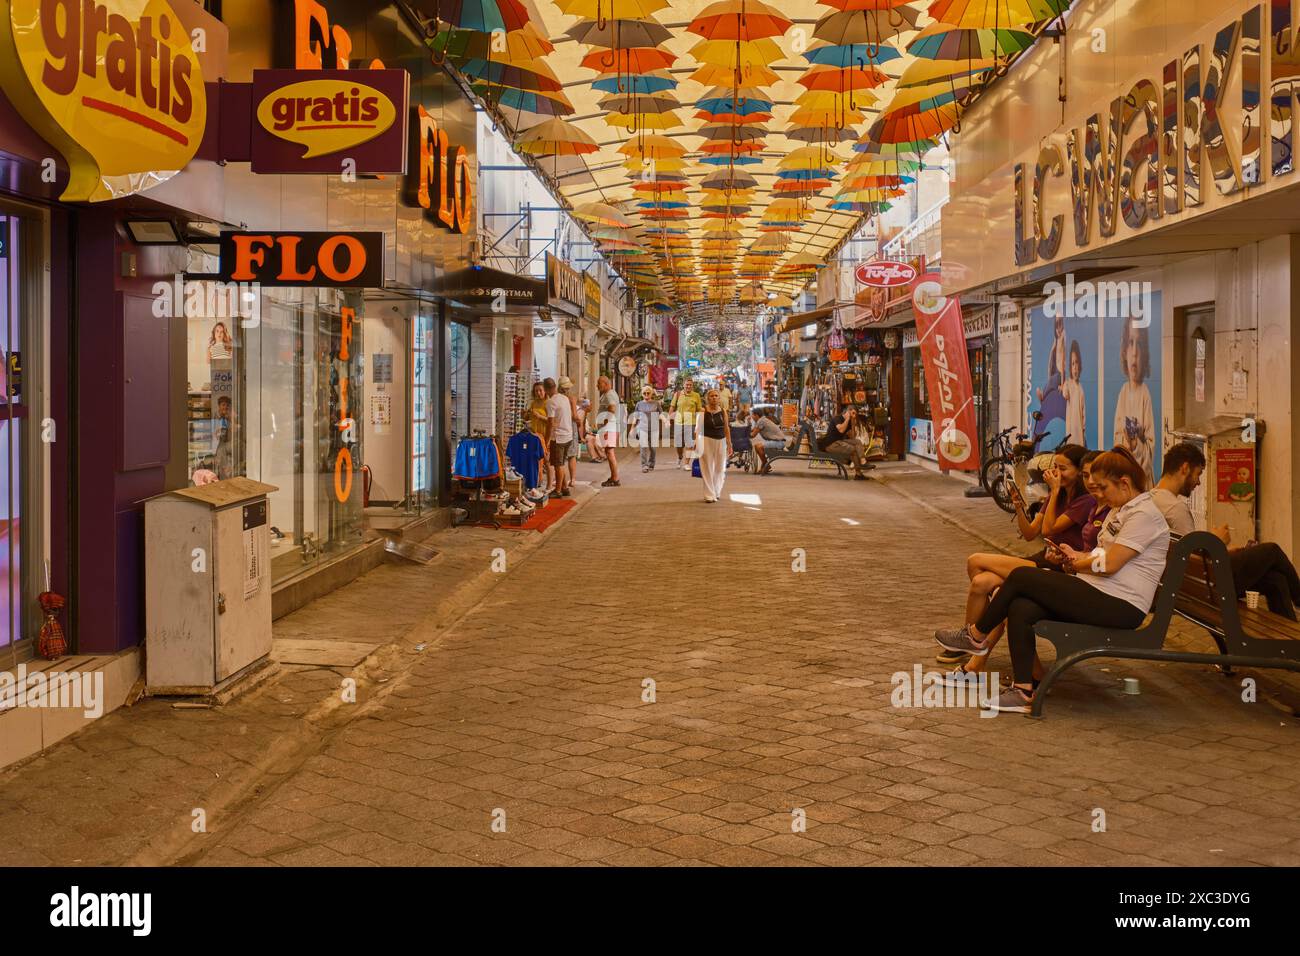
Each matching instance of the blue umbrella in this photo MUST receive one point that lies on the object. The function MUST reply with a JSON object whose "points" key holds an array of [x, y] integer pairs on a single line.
{"points": [[731, 160], [741, 106], [635, 83], [852, 54], [807, 174]]}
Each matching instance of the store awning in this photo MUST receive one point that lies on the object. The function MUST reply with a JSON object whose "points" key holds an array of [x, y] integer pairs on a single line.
{"points": [[800, 319], [630, 344], [484, 286]]}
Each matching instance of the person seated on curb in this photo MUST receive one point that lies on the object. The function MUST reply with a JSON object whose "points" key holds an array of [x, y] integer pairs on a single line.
{"points": [[843, 438], [1064, 518], [766, 436], [1111, 586]]}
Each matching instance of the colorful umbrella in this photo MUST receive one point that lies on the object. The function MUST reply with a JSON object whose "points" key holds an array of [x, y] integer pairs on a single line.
{"points": [[533, 75], [652, 82], [859, 55], [739, 20], [628, 60], [529, 101], [484, 16], [992, 14], [864, 26], [523, 44], [602, 213], [837, 80], [603, 11], [620, 33], [555, 137], [942, 41]]}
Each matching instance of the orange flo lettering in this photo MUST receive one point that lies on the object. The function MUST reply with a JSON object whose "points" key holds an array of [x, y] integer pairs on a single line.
{"points": [[326, 115], [440, 176], [251, 248], [343, 460], [115, 86]]}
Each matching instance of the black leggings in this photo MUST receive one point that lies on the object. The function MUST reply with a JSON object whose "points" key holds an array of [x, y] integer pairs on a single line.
{"points": [[1030, 595], [1266, 568]]}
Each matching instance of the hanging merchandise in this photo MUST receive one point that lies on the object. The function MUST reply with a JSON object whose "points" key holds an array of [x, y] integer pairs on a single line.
{"points": [[477, 459], [837, 349]]}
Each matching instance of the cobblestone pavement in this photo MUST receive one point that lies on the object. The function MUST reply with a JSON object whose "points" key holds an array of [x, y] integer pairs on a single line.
{"points": [[652, 683]]}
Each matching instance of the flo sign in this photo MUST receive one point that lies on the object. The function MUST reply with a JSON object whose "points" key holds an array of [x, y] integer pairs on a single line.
{"points": [[114, 86]]}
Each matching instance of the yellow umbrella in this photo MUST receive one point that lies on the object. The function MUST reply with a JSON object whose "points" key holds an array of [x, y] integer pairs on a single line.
{"points": [[602, 10], [809, 157], [639, 121], [828, 118], [733, 53], [652, 144], [827, 99], [602, 213], [660, 164], [714, 75], [921, 71], [915, 94]]}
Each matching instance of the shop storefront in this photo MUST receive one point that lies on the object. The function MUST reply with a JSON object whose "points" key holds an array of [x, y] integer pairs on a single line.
{"points": [[91, 203], [1160, 298]]}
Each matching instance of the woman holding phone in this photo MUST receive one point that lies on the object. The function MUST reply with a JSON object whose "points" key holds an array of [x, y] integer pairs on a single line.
{"points": [[1062, 520], [1111, 586]]}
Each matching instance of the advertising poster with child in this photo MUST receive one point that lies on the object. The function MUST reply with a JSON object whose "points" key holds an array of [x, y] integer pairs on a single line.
{"points": [[1132, 401], [1064, 379]]}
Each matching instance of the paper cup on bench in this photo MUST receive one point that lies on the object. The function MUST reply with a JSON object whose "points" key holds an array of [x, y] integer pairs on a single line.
{"points": [[1252, 600]]}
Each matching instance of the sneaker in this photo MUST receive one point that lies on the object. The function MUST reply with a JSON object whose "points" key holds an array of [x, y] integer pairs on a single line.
{"points": [[859, 477], [959, 639], [645, 470], [610, 483], [1010, 701], [951, 657], [960, 677]]}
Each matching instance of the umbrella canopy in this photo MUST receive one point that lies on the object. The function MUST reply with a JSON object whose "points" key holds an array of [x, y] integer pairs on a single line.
{"points": [[526, 43], [555, 137], [529, 101], [521, 74], [739, 20], [629, 60], [605, 10], [942, 41], [483, 16], [843, 80], [654, 81], [852, 54], [620, 33], [994, 14], [602, 213], [865, 26]]}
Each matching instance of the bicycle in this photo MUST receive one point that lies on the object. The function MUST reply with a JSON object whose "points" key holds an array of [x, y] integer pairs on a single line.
{"points": [[998, 475]]}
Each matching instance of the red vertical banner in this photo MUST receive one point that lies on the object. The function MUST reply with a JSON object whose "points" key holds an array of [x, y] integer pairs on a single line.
{"points": [[942, 341]]}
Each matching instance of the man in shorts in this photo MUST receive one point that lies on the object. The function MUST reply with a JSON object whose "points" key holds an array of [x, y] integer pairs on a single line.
{"points": [[559, 435]]}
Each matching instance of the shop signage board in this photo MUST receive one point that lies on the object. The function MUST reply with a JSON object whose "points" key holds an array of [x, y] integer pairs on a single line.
{"points": [[439, 180], [1234, 474], [874, 301], [564, 287], [942, 341], [312, 121], [920, 438], [885, 273], [487, 286], [318, 259], [115, 86], [591, 306], [1183, 135]]}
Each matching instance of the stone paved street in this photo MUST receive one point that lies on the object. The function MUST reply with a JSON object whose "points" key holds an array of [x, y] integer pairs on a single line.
{"points": [[771, 704]]}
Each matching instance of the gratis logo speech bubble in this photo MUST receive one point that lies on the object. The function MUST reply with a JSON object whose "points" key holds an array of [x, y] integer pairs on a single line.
{"points": [[326, 116]]}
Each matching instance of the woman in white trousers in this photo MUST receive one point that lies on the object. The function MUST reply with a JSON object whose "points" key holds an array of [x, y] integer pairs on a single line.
{"points": [[712, 444]]}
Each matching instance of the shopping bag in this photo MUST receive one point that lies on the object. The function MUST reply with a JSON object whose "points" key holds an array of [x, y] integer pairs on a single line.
{"points": [[695, 468]]}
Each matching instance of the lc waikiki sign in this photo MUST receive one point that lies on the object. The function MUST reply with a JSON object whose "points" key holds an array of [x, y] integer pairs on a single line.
{"points": [[114, 86], [1147, 154]]}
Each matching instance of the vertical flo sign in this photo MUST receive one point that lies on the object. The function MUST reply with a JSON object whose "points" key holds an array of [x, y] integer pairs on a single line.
{"points": [[942, 342]]}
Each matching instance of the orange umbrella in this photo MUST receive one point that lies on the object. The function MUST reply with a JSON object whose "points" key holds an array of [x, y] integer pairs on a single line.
{"points": [[739, 20], [836, 80], [629, 60]]}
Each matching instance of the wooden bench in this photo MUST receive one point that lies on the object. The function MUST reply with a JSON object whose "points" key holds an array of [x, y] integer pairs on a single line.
{"points": [[1197, 584]]}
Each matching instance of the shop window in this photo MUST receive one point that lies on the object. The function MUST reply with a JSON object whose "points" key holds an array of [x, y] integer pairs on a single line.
{"points": [[459, 381], [24, 499], [281, 401]]}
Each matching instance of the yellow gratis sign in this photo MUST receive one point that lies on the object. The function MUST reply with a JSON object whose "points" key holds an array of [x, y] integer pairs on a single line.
{"points": [[115, 86], [326, 116]]}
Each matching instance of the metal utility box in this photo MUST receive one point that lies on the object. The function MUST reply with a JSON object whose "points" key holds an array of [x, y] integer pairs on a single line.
{"points": [[207, 585], [1227, 493]]}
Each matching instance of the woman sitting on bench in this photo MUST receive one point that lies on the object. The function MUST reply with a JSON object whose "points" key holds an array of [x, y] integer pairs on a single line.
{"points": [[1070, 515], [1111, 586]]}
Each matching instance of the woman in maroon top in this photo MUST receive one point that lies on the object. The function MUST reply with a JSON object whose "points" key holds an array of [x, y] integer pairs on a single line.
{"points": [[1062, 520]]}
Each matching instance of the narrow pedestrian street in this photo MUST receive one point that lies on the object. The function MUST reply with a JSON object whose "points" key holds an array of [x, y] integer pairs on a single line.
{"points": [[653, 682]]}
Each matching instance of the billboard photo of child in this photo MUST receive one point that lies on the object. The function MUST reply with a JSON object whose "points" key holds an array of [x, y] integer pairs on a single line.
{"points": [[1133, 388]]}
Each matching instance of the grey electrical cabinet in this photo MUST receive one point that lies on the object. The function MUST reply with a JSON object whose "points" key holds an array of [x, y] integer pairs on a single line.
{"points": [[207, 585]]}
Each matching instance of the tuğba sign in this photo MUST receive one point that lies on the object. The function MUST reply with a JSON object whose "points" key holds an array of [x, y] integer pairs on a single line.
{"points": [[885, 274], [114, 86]]}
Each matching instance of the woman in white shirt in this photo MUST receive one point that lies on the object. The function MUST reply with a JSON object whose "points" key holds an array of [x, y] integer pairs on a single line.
{"points": [[1111, 586]]}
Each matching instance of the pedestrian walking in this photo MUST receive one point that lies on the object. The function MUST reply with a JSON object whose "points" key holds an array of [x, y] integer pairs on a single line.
{"points": [[713, 444], [686, 406], [565, 386], [648, 410]]}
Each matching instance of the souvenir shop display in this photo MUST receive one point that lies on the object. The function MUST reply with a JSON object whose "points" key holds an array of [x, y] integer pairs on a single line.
{"points": [[516, 393]]}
